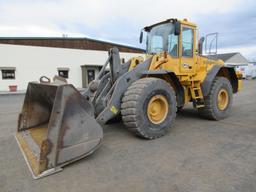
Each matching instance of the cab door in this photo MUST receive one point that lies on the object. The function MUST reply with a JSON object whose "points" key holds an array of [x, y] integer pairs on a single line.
{"points": [[188, 58]]}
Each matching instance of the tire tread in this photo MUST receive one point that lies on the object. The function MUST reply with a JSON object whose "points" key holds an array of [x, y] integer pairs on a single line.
{"points": [[129, 104]]}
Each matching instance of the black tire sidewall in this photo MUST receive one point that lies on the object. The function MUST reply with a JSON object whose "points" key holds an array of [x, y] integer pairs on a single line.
{"points": [[158, 87], [223, 83]]}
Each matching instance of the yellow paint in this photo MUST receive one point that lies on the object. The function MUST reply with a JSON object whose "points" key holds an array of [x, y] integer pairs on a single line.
{"points": [[157, 109], [135, 61], [240, 84], [187, 96], [190, 71], [113, 109], [239, 74], [223, 99]]}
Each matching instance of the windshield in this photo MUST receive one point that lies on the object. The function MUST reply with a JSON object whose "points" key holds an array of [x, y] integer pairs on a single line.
{"points": [[162, 38]]}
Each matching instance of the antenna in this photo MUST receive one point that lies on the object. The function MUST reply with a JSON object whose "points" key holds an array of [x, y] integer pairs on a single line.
{"points": [[64, 35]]}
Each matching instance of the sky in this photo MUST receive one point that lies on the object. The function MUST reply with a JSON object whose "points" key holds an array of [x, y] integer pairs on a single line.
{"points": [[121, 21]]}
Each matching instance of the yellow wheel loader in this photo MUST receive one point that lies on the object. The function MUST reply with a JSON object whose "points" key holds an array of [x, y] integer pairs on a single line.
{"points": [[59, 125]]}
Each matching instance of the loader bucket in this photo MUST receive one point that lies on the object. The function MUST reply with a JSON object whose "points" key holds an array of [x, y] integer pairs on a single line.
{"points": [[56, 126]]}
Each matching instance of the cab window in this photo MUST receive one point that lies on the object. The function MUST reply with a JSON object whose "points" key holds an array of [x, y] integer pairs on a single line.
{"points": [[173, 45], [157, 44], [187, 42]]}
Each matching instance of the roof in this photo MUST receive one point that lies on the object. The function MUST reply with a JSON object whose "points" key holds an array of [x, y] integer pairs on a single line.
{"points": [[172, 20], [225, 56], [233, 58], [28, 40], [148, 28]]}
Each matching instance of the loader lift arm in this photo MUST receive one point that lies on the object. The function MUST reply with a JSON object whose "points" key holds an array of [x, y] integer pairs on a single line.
{"points": [[108, 88]]}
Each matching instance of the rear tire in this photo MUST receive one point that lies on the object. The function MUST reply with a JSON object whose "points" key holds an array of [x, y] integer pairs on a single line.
{"points": [[219, 101], [149, 107]]}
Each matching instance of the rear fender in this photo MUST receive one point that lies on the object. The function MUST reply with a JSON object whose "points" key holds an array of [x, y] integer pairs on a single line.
{"points": [[217, 70], [230, 73]]}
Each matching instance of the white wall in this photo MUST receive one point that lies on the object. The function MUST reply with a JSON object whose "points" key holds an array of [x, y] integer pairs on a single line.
{"points": [[32, 62]]}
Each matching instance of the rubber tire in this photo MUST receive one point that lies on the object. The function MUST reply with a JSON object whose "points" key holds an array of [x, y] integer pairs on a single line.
{"points": [[211, 111], [134, 107]]}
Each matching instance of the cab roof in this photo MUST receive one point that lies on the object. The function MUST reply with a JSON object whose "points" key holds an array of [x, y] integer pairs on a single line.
{"points": [[172, 20]]}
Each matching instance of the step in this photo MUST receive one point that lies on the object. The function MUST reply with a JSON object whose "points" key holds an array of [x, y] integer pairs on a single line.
{"points": [[199, 106]]}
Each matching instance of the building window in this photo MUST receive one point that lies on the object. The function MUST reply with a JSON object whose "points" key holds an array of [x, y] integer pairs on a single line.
{"points": [[122, 60], [90, 75], [8, 74], [63, 72]]}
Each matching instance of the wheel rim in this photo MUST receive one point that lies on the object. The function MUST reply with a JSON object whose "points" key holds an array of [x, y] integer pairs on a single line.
{"points": [[157, 109], [223, 99]]}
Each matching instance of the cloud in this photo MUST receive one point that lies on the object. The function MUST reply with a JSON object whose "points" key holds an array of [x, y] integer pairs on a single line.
{"points": [[247, 51], [236, 29], [121, 21], [98, 14]]}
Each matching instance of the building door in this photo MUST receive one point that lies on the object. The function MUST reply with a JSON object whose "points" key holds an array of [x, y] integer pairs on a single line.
{"points": [[88, 74]]}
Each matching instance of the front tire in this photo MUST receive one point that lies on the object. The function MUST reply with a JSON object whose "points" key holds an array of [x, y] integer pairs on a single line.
{"points": [[149, 107], [219, 101]]}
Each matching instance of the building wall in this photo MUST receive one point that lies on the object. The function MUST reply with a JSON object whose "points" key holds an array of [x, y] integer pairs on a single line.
{"points": [[241, 64], [33, 62]]}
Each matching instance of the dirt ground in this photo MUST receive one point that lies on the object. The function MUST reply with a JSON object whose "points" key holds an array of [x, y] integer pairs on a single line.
{"points": [[196, 155]]}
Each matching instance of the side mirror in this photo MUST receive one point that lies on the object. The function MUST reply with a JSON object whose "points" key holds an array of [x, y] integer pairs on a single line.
{"points": [[177, 28], [200, 46], [141, 36]]}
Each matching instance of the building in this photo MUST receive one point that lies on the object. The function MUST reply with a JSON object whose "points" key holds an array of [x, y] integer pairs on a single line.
{"points": [[238, 61], [77, 59]]}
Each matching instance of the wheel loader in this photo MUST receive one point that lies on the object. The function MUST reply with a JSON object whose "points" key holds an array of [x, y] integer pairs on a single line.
{"points": [[59, 125]]}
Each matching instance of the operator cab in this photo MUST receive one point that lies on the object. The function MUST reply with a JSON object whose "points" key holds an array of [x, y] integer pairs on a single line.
{"points": [[164, 37]]}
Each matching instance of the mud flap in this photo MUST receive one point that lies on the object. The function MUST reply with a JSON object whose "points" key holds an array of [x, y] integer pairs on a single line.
{"points": [[56, 127]]}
